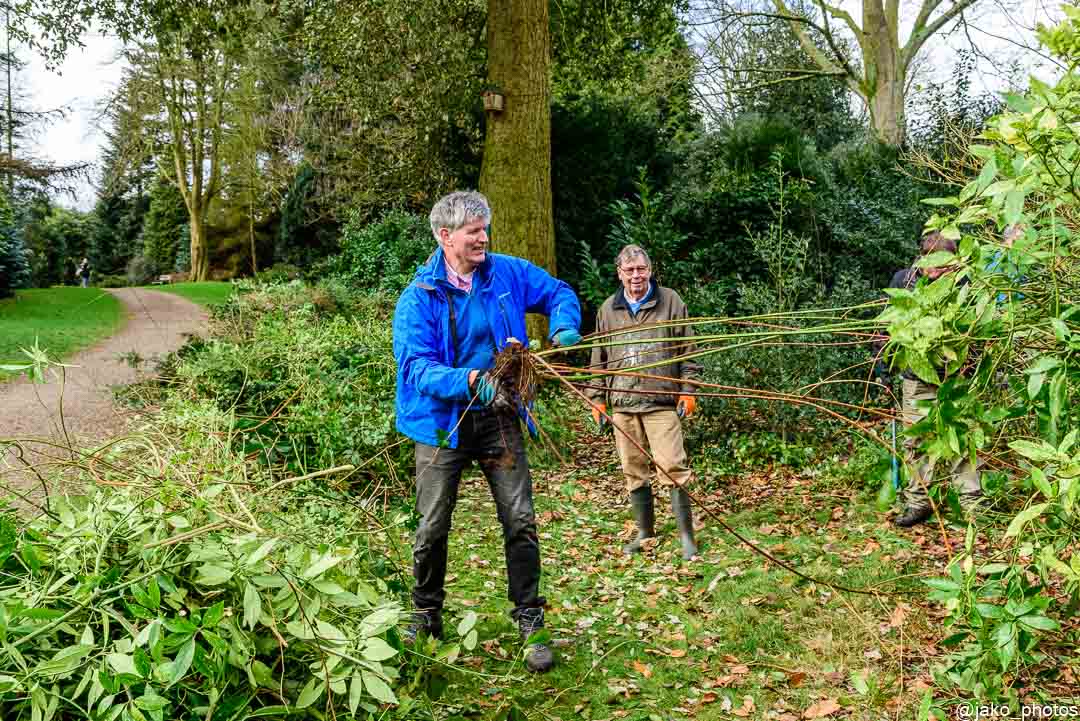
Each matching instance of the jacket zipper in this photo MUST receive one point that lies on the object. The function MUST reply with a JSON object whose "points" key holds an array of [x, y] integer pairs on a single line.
{"points": [[506, 319]]}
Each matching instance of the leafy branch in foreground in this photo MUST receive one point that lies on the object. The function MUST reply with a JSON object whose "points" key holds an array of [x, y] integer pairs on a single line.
{"points": [[1002, 338], [175, 597]]}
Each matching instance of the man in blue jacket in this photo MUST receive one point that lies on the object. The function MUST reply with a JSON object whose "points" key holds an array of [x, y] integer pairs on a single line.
{"points": [[464, 306]]}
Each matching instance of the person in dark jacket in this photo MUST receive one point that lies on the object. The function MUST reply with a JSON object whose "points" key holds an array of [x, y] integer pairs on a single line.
{"points": [[463, 307], [83, 273], [651, 419], [916, 395]]}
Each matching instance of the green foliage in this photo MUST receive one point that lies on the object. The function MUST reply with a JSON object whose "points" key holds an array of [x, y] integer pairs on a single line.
{"points": [[14, 266], [110, 281], [997, 617], [301, 240], [614, 135], [610, 43], [647, 222], [872, 212], [324, 356], [725, 185], [115, 239], [779, 277], [143, 603], [758, 62], [163, 227], [127, 170], [734, 453], [183, 253], [381, 255], [57, 238], [394, 113], [280, 273], [1012, 311]]}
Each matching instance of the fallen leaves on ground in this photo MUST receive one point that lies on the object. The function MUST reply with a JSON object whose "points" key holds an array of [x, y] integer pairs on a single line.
{"points": [[822, 709], [747, 707]]}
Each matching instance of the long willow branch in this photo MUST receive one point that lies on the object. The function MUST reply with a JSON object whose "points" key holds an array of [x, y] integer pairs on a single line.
{"points": [[856, 327], [711, 514], [721, 391]]}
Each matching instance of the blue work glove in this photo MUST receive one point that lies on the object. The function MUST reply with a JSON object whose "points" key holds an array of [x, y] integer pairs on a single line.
{"points": [[485, 388], [566, 337]]}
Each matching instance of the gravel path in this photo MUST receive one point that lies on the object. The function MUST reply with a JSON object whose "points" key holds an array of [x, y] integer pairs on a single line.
{"points": [[156, 324]]}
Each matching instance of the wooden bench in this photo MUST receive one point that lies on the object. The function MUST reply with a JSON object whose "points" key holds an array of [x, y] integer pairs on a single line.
{"points": [[163, 280]]}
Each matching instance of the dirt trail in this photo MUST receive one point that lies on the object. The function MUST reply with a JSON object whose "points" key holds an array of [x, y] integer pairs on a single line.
{"points": [[156, 324]]}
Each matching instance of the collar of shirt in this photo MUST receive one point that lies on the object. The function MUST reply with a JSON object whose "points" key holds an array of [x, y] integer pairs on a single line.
{"points": [[462, 282], [636, 305]]}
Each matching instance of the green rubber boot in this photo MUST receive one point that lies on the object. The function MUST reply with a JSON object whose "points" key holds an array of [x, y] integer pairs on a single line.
{"points": [[684, 519], [641, 503]]}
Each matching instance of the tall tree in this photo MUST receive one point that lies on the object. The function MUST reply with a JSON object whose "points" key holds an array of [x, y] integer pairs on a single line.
{"points": [[516, 171], [736, 75], [14, 263], [188, 69], [390, 100], [880, 73], [163, 226]]}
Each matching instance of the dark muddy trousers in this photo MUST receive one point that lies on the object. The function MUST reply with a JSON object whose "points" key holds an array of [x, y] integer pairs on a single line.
{"points": [[492, 439]]}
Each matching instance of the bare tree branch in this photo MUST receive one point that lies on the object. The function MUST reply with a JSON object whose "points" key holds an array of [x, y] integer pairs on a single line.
{"points": [[834, 64], [924, 28]]}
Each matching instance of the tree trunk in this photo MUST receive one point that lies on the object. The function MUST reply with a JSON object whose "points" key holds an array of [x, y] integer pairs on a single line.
{"points": [[10, 114], [251, 234], [884, 75], [200, 257], [516, 171]]}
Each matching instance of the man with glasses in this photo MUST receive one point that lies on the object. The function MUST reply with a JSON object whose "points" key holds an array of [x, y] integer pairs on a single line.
{"points": [[648, 398]]}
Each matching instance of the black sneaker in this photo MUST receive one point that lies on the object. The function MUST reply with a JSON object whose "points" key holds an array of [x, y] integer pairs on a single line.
{"points": [[538, 657], [423, 622], [912, 517]]}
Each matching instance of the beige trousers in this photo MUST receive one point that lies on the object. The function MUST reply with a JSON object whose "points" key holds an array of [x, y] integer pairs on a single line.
{"points": [[963, 476], [660, 433]]}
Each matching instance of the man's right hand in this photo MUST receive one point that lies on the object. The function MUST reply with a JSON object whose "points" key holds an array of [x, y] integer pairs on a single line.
{"points": [[599, 415]]}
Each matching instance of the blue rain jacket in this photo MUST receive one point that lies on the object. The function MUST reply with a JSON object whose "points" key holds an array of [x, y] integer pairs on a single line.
{"points": [[431, 393]]}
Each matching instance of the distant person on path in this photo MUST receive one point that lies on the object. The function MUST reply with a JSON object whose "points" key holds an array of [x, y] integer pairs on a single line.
{"points": [[464, 306], [917, 394], [653, 419], [83, 273]]}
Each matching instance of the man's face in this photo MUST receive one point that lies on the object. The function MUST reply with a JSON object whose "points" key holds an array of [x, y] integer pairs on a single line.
{"points": [[466, 247], [935, 273], [635, 274], [1012, 234]]}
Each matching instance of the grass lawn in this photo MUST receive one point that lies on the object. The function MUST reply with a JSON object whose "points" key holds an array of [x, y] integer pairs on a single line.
{"points": [[206, 293], [63, 320], [729, 635]]}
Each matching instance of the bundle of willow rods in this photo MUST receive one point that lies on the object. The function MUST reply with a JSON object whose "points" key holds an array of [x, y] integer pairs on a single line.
{"points": [[521, 370]]}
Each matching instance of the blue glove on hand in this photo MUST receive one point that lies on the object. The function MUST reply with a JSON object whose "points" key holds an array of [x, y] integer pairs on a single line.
{"points": [[566, 337], [485, 389]]}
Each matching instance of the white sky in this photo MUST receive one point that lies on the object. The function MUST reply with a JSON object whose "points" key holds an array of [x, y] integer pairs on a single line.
{"points": [[90, 74], [87, 76]]}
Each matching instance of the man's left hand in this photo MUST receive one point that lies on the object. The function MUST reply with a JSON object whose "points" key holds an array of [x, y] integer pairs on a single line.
{"points": [[566, 337], [686, 405]]}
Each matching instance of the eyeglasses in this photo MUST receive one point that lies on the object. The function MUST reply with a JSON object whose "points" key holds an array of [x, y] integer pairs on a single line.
{"points": [[635, 270]]}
